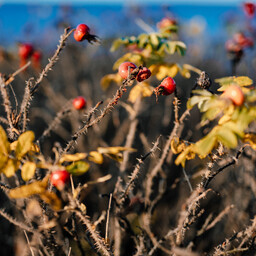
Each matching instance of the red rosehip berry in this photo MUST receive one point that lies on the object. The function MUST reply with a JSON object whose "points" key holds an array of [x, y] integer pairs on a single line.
{"points": [[167, 87], [249, 8], [25, 51], [82, 32], [79, 103], [235, 94], [143, 74], [59, 178], [123, 69], [166, 22], [232, 46], [36, 56], [36, 59]]}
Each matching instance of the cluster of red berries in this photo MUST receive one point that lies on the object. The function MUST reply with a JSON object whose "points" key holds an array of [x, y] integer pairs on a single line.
{"points": [[166, 87], [249, 8], [27, 51], [124, 68], [82, 32], [237, 44]]}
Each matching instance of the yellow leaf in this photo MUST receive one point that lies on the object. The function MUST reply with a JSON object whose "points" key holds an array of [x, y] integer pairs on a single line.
{"points": [[37, 187], [25, 142], [52, 199], [72, 157], [34, 147], [185, 72], [243, 81], [28, 170], [4, 148], [10, 168], [115, 152], [251, 139], [177, 146], [142, 89], [108, 79], [13, 145], [204, 146], [95, 157], [224, 119], [163, 70]]}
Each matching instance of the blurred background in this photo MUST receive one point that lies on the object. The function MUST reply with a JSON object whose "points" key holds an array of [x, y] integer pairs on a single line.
{"points": [[205, 26]]}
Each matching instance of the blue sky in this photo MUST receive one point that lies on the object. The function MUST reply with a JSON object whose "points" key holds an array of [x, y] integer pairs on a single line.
{"points": [[222, 2]]}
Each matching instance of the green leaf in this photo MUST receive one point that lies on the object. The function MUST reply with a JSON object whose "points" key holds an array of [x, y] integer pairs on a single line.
{"points": [[28, 170], [204, 146], [25, 142], [116, 44], [227, 137], [155, 40], [142, 40], [171, 47], [78, 168], [211, 114]]}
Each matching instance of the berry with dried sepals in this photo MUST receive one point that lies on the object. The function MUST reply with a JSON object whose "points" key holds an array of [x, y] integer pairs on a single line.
{"points": [[143, 74]]}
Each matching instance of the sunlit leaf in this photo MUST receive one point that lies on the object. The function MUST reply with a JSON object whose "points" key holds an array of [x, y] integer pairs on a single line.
{"points": [[188, 153], [52, 199], [95, 157], [116, 44], [115, 152], [108, 79], [177, 146], [204, 146], [72, 157], [227, 137], [155, 40], [25, 142], [142, 89], [243, 81], [4, 147], [251, 139], [142, 40], [10, 168], [78, 168], [37, 187], [28, 170]]}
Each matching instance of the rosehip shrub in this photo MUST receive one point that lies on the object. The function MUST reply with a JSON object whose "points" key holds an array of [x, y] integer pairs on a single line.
{"points": [[235, 94], [79, 103], [59, 178], [82, 32], [123, 69], [25, 51], [143, 74]]}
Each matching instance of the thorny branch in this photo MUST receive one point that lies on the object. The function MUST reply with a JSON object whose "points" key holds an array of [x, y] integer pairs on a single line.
{"points": [[106, 110]]}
